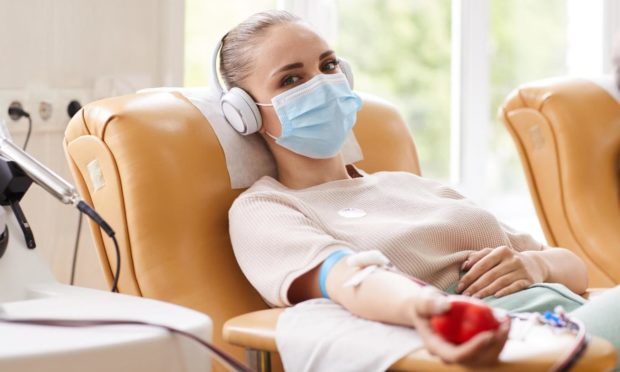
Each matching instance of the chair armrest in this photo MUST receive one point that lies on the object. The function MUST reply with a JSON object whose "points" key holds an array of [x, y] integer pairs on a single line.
{"points": [[257, 330], [600, 356]]}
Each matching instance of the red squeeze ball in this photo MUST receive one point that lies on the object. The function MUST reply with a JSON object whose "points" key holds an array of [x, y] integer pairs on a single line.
{"points": [[464, 320]]}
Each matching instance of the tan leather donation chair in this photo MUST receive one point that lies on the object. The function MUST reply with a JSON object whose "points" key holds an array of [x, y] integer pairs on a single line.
{"points": [[567, 133], [151, 164]]}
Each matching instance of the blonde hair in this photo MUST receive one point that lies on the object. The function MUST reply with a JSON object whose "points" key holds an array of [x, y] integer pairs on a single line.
{"points": [[236, 55]]}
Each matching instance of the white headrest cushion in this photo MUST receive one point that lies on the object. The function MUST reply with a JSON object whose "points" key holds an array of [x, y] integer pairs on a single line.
{"points": [[247, 157]]}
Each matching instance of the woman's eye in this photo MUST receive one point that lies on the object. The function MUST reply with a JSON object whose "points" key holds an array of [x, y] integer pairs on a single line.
{"points": [[330, 66], [289, 80]]}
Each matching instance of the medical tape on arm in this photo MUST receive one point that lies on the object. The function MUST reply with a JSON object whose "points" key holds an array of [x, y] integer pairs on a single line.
{"points": [[368, 262]]}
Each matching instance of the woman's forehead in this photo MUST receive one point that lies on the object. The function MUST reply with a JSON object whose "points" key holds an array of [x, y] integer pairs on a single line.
{"points": [[291, 42]]}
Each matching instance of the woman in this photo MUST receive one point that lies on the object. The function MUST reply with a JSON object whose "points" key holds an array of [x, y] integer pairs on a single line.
{"points": [[285, 231]]}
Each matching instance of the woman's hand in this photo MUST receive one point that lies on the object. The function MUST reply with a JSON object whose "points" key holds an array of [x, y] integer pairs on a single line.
{"points": [[481, 350], [500, 271]]}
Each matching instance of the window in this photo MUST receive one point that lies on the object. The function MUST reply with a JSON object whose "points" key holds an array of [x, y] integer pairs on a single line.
{"points": [[205, 22], [400, 51], [525, 44]]}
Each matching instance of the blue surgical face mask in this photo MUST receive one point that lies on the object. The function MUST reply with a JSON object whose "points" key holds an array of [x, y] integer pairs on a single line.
{"points": [[316, 116]]}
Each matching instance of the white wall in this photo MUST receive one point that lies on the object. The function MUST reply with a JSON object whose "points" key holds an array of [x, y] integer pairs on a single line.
{"points": [[58, 50]]}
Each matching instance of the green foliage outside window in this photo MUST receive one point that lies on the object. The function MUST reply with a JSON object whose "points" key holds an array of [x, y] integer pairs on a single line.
{"points": [[527, 42], [400, 51]]}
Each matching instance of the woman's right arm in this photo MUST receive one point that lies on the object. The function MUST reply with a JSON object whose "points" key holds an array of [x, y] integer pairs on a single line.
{"points": [[388, 297]]}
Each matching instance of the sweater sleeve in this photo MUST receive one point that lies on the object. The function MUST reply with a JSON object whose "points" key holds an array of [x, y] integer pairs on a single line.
{"points": [[521, 241], [275, 243]]}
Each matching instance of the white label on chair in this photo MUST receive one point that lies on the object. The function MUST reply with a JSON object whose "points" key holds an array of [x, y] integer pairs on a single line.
{"points": [[96, 176], [537, 137]]}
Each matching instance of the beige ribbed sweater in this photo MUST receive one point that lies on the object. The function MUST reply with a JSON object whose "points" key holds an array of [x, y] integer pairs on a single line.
{"points": [[426, 229]]}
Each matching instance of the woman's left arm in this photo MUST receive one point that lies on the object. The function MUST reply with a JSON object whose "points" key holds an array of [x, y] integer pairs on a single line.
{"points": [[503, 270], [562, 266]]}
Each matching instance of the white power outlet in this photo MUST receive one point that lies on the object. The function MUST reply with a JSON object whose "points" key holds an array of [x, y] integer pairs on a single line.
{"points": [[45, 110]]}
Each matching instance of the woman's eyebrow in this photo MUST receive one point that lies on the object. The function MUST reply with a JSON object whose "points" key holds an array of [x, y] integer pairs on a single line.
{"points": [[299, 64], [325, 54], [288, 67]]}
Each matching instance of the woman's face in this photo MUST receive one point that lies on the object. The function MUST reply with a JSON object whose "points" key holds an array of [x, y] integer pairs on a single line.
{"points": [[287, 55]]}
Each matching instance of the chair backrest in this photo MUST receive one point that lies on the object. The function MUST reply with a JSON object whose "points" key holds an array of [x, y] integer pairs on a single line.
{"points": [[151, 164], [567, 132]]}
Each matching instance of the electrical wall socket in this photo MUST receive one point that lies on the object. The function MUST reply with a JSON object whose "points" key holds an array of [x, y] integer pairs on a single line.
{"points": [[64, 96], [45, 110], [15, 105], [11, 95], [42, 103]]}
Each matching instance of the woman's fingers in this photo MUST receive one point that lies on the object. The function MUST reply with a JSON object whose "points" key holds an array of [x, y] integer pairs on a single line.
{"points": [[483, 349], [478, 269], [439, 347], [492, 281], [493, 287], [485, 352], [491, 353], [475, 257], [500, 338], [512, 288], [434, 343], [474, 350], [500, 272]]}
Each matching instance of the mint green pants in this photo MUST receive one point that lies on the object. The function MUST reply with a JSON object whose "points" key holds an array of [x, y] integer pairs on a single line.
{"points": [[601, 315]]}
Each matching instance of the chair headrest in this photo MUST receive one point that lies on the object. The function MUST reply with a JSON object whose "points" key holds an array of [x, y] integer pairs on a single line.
{"points": [[247, 157]]}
